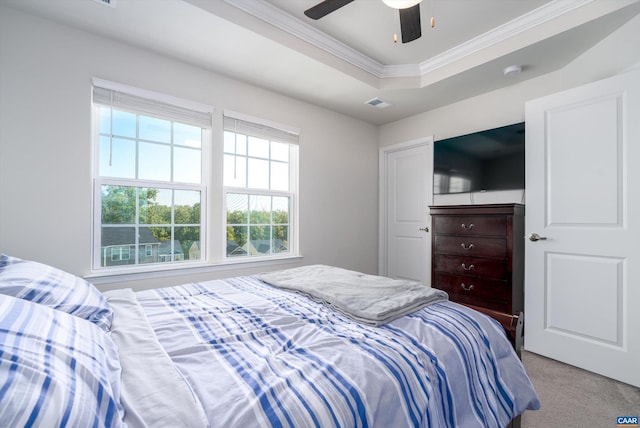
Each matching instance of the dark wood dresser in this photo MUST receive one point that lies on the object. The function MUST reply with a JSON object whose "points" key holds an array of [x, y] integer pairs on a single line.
{"points": [[478, 256]]}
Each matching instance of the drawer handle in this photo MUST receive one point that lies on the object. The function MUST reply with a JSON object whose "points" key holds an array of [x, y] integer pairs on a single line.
{"points": [[466, 247], [470, 267], [467, 288], [467, 226]]}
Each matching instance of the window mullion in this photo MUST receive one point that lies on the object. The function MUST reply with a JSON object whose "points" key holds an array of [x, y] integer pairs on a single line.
{"points": [[137, 153], [137, 227], [110, 136], [172, 226], [269, 167]]}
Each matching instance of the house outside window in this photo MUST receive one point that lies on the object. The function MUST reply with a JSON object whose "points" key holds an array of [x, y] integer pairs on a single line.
{"points": [[260, 187], [150, 178]]}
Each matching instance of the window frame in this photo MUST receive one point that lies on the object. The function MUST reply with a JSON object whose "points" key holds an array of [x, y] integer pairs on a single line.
{"points": [[204, 187], [293, 243], [141, 248]]}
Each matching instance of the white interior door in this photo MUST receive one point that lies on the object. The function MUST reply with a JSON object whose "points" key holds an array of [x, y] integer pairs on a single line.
{"points": [[582, 283], [407, 191]]}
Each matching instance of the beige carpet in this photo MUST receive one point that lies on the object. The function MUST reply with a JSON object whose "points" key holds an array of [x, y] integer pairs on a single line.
{"points": [[572, 397]]}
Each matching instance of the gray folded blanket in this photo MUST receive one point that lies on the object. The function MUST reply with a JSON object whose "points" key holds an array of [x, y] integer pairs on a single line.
{"points": [[369, 299]]}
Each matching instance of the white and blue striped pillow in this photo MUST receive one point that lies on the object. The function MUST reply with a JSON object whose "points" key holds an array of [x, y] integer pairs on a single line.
{"points": [[46, 285], [56, 369]]}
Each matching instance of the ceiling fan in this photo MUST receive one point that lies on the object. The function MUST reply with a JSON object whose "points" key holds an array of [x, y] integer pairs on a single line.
{"points": [[409, 11]]}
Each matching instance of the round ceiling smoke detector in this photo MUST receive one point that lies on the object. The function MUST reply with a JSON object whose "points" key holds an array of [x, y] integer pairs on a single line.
{"points": [[512, 70]]}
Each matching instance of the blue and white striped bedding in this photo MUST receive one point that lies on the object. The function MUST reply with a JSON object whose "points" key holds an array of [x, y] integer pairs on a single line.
{"points": [[257, 356], [56, 369], [55, 288]]}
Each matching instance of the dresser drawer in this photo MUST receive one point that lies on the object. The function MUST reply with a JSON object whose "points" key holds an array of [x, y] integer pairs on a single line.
{"points": [[475, 266], [471, 225], [471, 246], [476, 291]]}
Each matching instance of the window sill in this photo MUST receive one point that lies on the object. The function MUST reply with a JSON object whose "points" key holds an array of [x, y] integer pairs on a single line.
{"points": [[157, 271]]}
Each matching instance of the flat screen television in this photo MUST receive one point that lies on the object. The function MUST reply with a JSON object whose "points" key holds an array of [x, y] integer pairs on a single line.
{"points": [[483, 161]]}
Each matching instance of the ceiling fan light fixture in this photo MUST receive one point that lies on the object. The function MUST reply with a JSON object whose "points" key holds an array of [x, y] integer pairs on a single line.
{"points": [[401, 4]]}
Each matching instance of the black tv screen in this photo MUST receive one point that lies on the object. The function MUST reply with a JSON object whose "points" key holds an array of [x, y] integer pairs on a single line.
{"points": [[482, 161]]}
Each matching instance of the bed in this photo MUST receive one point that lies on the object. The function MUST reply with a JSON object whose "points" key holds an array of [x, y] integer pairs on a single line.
{"points": [[244, 352]]}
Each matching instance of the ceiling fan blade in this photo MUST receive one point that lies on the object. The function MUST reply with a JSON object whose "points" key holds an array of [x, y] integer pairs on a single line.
{"points": [[410, 23], [324, 8]]}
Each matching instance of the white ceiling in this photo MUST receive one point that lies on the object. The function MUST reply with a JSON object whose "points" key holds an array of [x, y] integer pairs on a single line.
{"points": [[348, 57], [368, 25]]}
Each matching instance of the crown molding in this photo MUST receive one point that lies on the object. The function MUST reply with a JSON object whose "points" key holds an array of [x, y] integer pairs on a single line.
{"points": [[499, 34], [300, 29], [271, 14]]}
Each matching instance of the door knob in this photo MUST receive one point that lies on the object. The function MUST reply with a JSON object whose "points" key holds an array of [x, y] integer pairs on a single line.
{"points": [[535, 237], [424, 229]]}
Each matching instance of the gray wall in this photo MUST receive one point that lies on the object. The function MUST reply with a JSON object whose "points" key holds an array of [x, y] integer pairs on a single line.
{"points": [[45, 145]]}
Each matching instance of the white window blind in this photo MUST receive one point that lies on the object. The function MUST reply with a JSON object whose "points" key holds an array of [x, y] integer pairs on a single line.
{"points": [[129, 102], [260, 129]]}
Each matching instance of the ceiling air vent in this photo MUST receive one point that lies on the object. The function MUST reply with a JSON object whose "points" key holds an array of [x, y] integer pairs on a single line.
{"points": [[377, 103], [111, 3]]}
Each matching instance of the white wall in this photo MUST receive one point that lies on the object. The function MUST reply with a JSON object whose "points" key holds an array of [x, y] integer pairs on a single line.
{"points": [[45, 148], [612, 55], [45, 140]]}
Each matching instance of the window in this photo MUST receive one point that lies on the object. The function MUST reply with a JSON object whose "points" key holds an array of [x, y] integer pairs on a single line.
{"points": [[443, 183], [150, 179], [260, 183], [459, 184], [120, 253]]}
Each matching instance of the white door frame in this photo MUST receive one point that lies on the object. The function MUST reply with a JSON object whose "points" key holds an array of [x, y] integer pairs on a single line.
{"points": [[382, 191]]}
